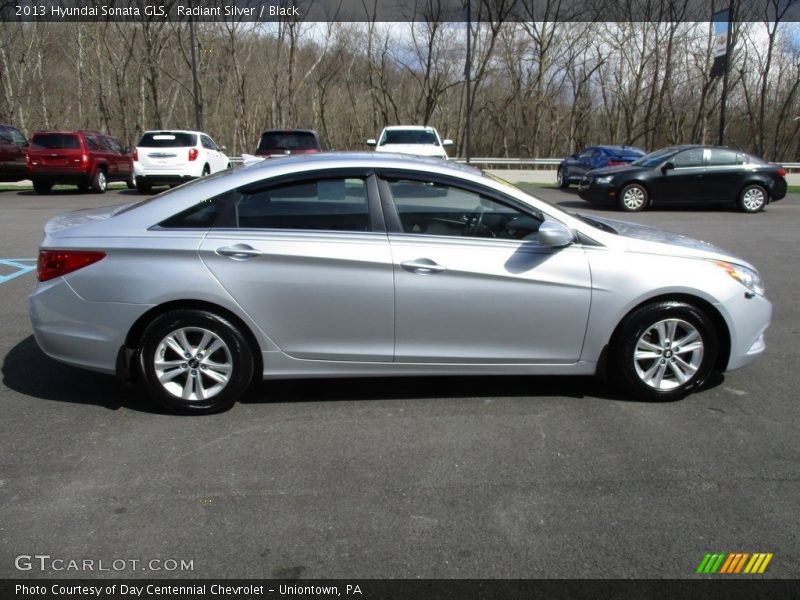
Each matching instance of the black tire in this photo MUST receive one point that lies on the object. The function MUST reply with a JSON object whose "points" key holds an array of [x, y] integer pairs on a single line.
{"points": [[143, 188], [206, 171], [562, 178], [633, 198], [181, 393], [131, 183], [639, 377], [42, 186], [752, 199], [99, 182]]}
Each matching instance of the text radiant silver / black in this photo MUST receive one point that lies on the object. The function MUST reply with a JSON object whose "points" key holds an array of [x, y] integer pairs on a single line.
{"points": [[337, 265]]}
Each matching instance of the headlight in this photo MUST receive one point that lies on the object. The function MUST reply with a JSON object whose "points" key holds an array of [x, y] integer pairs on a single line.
{"points": [[749, 278], [606, 179]]}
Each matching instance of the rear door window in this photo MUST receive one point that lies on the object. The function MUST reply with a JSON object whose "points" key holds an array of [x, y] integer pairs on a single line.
{"points": [[337, 204], [167, 139], [719, 157]]}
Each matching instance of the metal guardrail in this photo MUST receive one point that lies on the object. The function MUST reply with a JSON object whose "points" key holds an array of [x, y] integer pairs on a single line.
{"points": [[521, 163]]}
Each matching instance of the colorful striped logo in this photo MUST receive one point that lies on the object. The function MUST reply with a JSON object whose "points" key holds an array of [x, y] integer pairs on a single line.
{"points": [[734, 563]]}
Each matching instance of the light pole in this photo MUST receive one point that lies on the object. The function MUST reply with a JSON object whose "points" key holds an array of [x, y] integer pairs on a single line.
{"points": [[198, 114]]}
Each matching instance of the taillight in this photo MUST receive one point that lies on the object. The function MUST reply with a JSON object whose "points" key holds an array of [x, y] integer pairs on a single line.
{"points": [[135, 154], [84, 159], [55, 263], [782, 172], [193, 152]]}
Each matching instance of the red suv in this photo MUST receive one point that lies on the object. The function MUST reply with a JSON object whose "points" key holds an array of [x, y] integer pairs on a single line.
{"points": [[88, 159]]}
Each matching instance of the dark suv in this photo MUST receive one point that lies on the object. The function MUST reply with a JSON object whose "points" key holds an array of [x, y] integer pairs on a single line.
{"points": [[12, 154], [88, 159], [283, 142]]}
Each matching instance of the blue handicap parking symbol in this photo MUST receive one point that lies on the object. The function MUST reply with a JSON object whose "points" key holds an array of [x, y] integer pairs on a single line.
{"points": [[10, 268]]}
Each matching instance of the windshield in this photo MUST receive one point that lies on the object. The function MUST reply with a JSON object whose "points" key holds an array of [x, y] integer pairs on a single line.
{"points": [[655, 158]]}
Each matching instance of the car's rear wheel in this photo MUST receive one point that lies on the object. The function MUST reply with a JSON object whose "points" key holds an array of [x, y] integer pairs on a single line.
{"points": [[42, 186], [633, 198], [99, 181], [131, 183], [663, 351], [142, 187], [206, 171], [562, 178], [195, 362], [753, 199]]}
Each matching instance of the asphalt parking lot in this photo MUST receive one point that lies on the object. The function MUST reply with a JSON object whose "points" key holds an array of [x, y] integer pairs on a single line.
{"points": [[404, 478]]}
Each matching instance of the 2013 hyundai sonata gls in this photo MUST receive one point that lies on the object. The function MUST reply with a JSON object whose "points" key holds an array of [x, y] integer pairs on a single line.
{"points": [[338, 265]]}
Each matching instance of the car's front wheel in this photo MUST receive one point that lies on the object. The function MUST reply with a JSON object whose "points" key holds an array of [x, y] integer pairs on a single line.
{"points": [[195, 362], [663, 351], [753, 199], [633, 198]]}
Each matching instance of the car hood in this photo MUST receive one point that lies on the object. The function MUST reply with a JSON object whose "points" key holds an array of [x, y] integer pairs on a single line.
{"points": [[417, 149], [650, 239], [84, 216]]}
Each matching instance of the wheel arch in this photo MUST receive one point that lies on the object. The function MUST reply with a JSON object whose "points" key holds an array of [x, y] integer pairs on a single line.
{"points": [[721, 327], [760, 183], [133, 341]]}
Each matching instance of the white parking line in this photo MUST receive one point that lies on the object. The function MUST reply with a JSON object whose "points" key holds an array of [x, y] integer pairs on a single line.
{"points": [[20, 264]]}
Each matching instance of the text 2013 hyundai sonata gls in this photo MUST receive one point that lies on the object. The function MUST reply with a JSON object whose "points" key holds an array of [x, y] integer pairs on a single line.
{"points": [[336, 265]]}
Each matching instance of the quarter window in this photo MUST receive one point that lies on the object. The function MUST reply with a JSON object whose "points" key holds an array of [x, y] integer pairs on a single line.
{"points": [[429, 208]]}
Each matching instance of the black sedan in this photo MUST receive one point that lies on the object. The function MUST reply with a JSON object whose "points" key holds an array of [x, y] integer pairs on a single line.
{"points": [[688, 175]]}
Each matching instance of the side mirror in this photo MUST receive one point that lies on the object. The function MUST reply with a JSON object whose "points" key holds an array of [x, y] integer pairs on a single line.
{"points": [[574, 156], [371, 142], [222, 148], [447, 143], [554, 235], [668, 166]]}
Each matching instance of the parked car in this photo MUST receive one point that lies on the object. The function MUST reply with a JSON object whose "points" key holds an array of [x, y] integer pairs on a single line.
{"points": [[88, 159], [572, 169], [411, 139], [688, 175], [175, 156], [13, 145], [283, 142], [365, 264]]}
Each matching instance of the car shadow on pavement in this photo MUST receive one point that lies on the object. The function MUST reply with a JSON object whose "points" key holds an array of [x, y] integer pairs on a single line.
{"points": [[29, 371], [397, 388]]}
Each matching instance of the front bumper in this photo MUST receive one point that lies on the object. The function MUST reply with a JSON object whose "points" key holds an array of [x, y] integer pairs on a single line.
{"points": [[591, 191], [748, 319]]}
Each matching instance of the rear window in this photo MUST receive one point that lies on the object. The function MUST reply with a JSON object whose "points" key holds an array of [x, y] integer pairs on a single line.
{"points": [[288, 140], [167, 139], [55, 140], [409, 136], [624, 152]]}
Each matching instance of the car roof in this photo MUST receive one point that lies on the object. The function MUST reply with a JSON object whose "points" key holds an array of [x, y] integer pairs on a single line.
{"points": [[175, 131], [622, 147], [289, 130], [413, 127]]}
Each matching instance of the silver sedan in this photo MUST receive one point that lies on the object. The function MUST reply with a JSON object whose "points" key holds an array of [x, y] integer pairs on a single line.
{"points": [[342, 265]]}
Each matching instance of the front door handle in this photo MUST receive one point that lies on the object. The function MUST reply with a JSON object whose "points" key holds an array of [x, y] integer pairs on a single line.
{"points": [[422, 266], [239, 251]]}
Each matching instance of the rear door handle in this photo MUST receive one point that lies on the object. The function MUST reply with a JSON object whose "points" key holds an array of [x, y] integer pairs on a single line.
{"points": [[239, 251], [422, 266]]}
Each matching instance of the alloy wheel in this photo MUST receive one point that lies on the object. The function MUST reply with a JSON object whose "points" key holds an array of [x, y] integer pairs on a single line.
{"points": [[668, 354]]}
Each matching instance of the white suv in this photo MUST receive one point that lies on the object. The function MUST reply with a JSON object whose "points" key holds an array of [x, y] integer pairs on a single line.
{"points": [[171, 157], [411, 139]]}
